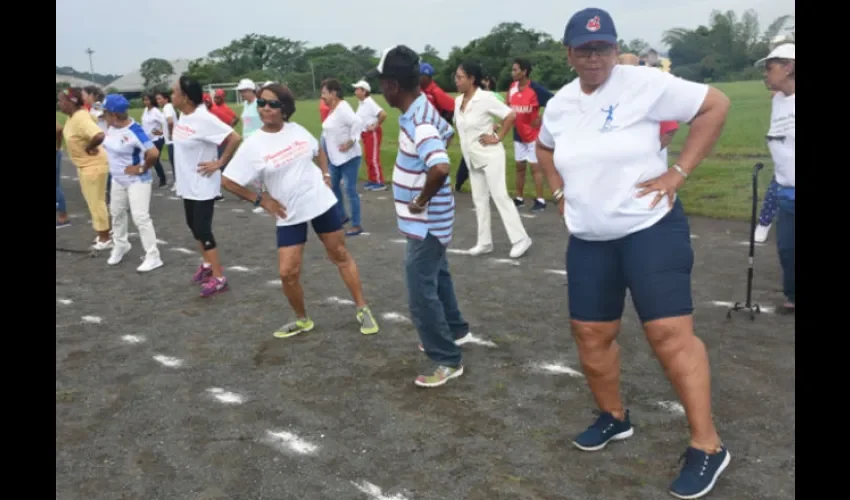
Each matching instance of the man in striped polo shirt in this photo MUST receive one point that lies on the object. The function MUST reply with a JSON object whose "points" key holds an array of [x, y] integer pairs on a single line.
{"points": [[425, 210]]}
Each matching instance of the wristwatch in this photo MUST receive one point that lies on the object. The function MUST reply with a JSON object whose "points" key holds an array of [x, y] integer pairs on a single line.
{"points": [[258, 200]]}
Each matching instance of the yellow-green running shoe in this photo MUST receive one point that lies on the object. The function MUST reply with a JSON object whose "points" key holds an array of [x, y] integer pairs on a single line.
{"points": [[368, 325], [294, 328]]}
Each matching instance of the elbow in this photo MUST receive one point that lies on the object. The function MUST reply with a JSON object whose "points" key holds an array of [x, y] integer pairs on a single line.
{"points": [[442, 169], [716, 105], [234, 138]]}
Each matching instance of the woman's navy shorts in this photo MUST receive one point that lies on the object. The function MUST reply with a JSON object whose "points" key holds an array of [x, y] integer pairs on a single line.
{"points": [[654, 264], [328, 222]]}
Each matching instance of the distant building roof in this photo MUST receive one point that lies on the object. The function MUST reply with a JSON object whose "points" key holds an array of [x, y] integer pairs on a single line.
{"points": [[133, 82], [74, 81]]}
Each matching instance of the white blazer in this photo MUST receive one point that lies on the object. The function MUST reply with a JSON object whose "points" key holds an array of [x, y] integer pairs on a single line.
{"points": [[475, 121]]}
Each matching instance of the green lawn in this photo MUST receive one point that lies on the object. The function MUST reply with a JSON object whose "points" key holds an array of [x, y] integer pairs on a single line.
{"points": [[720, 187]]}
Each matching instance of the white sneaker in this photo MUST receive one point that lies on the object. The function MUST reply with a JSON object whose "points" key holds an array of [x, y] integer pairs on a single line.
{"points": [[458, 342], [519, 249], [761, 233], [102, 245], [149, 264], [117, 254], [480, 250], [259, 210]]}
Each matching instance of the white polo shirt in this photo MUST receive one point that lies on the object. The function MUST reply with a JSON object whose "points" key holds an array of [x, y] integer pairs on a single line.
{"points": [[477, 120], [783, 145], [341, 126], [283, 161], [607, 143], [368, 111], [197, 136]]}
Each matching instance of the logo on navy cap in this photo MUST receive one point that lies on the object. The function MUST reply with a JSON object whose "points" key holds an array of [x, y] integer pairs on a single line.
{"points": [[593, 24]]}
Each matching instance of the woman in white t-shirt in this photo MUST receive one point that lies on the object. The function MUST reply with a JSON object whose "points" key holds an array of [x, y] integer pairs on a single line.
{"points": [[373, 117], [154, 125], [283, 155], [197, 135], [599, 148], [131, 155], [163, 100], [484, 155], [780, 76], [341, 133]]}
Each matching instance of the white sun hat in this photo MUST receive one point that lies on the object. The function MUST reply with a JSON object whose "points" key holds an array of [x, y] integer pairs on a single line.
{"points": [[246, 84], [784, 51], [363, 84]]}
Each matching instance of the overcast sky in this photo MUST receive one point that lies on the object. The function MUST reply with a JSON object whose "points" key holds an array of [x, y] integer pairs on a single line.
{"points": [[123, 33]]}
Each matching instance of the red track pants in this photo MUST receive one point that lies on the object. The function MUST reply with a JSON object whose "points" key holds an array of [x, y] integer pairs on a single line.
{"points": [[372, 152]]}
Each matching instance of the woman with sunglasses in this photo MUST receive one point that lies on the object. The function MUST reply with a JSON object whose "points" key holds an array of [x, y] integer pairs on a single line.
{"points": [[283, 155], [197, 135]]}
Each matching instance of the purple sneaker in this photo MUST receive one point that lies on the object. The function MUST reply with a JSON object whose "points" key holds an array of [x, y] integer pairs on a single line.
{"points": [[213, 286], [202, 274]]}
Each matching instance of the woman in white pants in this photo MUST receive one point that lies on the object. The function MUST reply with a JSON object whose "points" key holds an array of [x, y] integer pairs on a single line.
{"points": [[475, 109], [131, 155]]}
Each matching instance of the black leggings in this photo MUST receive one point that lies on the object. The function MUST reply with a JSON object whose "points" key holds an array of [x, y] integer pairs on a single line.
{"points": [[158, 166], [199, 216], [462, 175]]}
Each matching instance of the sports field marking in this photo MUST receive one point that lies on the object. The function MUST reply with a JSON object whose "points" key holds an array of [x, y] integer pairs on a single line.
{"points": [[273, 282], [238, 210], [474, 339], [339, 301], [95, 320], [226, 397], [560, 272], [65, 302], [66, 176], [374, 492], [694, 237], [512, 262], [527, 216], [396, 317], [173, 198], [168, 361], [158, 195], [747, 243], [382, 197], [398, 240], [76, 178], [672, 406], [558, 368], [725, 303], [132, 235], [457, 251], [74, 216], [287, 441], [133, 339], [241, 269], [161, 242], [182, 250]]}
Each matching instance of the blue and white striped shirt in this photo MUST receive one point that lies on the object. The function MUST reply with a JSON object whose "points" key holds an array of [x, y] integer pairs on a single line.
{"points": [[421, 145]]}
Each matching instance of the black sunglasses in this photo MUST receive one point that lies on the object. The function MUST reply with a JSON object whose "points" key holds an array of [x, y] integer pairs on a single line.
{"points": [[778, 138], [274, 104]]}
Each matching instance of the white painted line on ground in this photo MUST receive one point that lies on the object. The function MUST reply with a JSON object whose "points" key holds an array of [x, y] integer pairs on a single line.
{"points": [[66, 176], [132, 235], [512, 262], [133, 339], [725, 303], [747, 243], [672, 407], [226, 397], [287, 441], [74, 216], [559, 369], [76, 178], [158, 195], [561, 272], [399, 240], [339, 301], [65, 302], [168, 361], [273, 282], [382, 197], [374, 492], [182, 250], [161, 242], [396, 317], [471, 338], [238, 210], [95, 320], [527, 216], [694, 237], [241, 269], [457, 251]]}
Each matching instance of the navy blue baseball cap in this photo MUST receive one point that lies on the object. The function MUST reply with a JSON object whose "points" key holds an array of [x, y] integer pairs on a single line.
{"points": [[116, 103], [590, 25]]}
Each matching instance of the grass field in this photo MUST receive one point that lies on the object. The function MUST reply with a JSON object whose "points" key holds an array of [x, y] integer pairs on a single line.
{"points": [[720, 187]]}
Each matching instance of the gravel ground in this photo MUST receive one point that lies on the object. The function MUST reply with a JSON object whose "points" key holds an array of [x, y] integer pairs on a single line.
{"points": [[163, 395]]}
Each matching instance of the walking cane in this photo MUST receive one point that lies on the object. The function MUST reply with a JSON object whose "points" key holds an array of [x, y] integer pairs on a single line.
{"points": [[749, 306]]}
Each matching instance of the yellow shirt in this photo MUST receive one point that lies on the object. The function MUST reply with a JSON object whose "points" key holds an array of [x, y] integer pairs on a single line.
{"points": [[78, 132]]}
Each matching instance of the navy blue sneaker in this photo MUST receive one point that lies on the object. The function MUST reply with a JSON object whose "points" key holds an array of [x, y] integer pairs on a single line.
{"points": [[538, 206], [699, 473], [604, 430]]}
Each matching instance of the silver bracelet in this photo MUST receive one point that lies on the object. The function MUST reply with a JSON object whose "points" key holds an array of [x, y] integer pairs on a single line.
{"points": [[679, 169], [558, 195]]}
